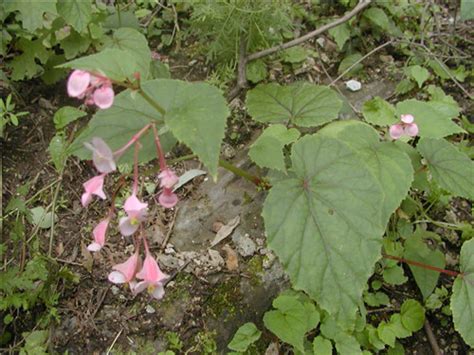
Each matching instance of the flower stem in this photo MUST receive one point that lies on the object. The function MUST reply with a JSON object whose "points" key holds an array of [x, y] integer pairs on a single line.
{"points": [[132, 141], [425, 266], [246, 175], [152, 102], [135, 170], [159, 150]]}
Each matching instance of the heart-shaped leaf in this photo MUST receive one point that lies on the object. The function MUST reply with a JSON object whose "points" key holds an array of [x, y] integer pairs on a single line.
{"points": [[323, 222], [462, 300], [450, 168], [302, 104], [245, 335]]}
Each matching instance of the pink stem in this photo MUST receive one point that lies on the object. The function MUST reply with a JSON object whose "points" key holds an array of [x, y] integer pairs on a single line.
{"points": [[135, 170], [134, 139], [161, 156]]}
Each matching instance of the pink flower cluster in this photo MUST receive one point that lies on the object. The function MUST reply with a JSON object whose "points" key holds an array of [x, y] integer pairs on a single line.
{"points": [[93, 88], [406, 127]]}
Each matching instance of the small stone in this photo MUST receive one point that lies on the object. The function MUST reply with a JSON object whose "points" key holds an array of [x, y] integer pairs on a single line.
{"points": [[192, 62], [245, 245], [353, 85], [149, 309], [115, 290], [321, 42]]}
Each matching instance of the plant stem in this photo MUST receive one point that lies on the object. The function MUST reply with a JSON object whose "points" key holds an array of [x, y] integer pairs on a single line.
{"points": [[159, 150], [134, 139], [152, 102], [425, 266], [135, 170], [242, 173]]}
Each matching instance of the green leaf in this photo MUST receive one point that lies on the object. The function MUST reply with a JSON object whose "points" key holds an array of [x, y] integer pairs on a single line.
{"points": [[313, 220], [450, 168], [348, 61], [74, 44], [389, 332], [431, 120], [57, 150], [442, 102], [467, 10], [294, 55], [302, 104], [24, 66], [193, 111], [404, 86], [418, 73], [379, 112], [66, 115], [129, 39], [389, 164], [116, 64], [462, 300], [41, 218], [376, 299], [417, 250], [341, 34], [291, 320], [77, 13], [394, 275], [31, 11], [378, 17], [124, 19], [412, 315], [256, 71], [247, 334], [267, 150], [322, 346]]}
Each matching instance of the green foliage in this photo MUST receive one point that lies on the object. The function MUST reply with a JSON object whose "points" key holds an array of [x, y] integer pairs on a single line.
{"points": [[291, 320], [267, 150], [8, 114], [379, 112], [462, 300], [246, 335], [35, 343], [412, 315], [418, 73], [322, 346], [302, 104], [258, 24], [450, 168], [256, 71], [467, 10], [66, 115]]}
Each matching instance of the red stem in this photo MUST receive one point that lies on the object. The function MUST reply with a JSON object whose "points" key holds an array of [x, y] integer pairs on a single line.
{"points": [[134, 139], [161, 156], [425, 266]]}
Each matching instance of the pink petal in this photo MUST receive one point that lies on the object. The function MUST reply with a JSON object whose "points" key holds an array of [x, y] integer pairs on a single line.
{"points": [[411, 130], [167, 198], [117, 277], [86, 198], [99, 232], [151, 271], [78, 83], [396, 131], [133, 205], [102, 155], [139, 287], [94, 186], [129, 267], [94, 247], [407, 118], [126, 226], [159, 291], [104, 97], [168, 178]]}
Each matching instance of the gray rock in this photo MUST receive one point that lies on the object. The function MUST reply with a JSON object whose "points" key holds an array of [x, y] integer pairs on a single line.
{"points": [[245, 246]]}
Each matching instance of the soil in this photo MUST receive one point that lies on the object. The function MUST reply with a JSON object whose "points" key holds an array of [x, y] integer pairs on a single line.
{"points": [[204, 304]]}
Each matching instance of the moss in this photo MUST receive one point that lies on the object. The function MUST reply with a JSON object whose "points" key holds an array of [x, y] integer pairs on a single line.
{"points": [[179, 291], [225, 298], [255, 269]]}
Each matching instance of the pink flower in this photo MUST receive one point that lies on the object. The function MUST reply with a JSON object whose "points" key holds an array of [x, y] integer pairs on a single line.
{"points": [[406, 127], [152, 277], [168, 198], [125, 272], [136, 212], [78, 83], [104, 97], [102, 155], [93, 186], [168, 178], [92, 88], [99, 235]]}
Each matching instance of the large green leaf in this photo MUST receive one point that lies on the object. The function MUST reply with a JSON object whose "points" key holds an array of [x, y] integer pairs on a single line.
{"points": [[449, 167], [462, 300], [379, 112], [129, 39], [323, 222], [195, 113], [77, 13], [467, 10], [116, 64], [432, 120], [387, 162], [31, 11], [417, 250], [302, 104], [267, 150], [291, 320]]}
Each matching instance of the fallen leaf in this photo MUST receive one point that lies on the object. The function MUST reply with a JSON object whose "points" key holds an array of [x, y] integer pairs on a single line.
{"points": [[225, 231], [232, 259]]}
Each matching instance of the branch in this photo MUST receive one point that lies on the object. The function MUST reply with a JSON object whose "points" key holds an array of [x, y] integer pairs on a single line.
{"points": [[360, 6]]}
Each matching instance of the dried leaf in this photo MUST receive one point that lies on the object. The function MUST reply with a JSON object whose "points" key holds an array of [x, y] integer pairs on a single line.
{"points": [[232, 259], [225, 231]]}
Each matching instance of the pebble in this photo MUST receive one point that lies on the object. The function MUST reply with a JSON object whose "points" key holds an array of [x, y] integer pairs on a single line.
{"points": [[245, 246], [149, 309], [353, 85]]}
